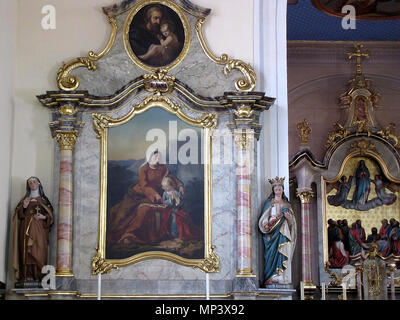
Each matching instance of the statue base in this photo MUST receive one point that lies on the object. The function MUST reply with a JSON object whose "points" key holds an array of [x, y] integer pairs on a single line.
{"points": [[64, 283], [245, 288], [28, 285], [277, 292]]}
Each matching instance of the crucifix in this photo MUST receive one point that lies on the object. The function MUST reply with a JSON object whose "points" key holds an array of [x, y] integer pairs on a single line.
{"points": [[358, 55]]}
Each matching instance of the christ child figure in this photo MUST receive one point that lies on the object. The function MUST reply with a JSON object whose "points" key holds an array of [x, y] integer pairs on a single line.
{"points": [[173, 199], [169, 44]]}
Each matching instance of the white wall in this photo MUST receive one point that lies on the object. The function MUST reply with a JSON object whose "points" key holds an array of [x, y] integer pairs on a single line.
{"points": [[8, 25], [80, 27], [270, 64], [229, 28]]}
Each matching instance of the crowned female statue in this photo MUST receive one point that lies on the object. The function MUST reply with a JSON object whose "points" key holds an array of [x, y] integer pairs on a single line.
{"points": [[278, 225]]}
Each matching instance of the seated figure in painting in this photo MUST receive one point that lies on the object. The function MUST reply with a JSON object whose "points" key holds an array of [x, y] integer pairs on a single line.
{"points": [[168, 48], [278, 225], [384, 228], [142, 217], [394, 240], [32, 222], [345, 231], [338, 255], [356, 243], [176, 222], [172, 198], [374, 236], [361, 231], [333, 232]]}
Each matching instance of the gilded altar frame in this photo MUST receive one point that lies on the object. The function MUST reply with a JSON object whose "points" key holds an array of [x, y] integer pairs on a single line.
{"points": [[210, 263]]}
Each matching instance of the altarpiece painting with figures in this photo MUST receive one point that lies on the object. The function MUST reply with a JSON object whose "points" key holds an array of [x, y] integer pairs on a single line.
{"points": [[154, 187]]}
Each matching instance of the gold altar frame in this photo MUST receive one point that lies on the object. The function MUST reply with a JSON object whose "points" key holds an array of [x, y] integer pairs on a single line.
{"points": [[140, 5], [367, 153], [102, 122]]}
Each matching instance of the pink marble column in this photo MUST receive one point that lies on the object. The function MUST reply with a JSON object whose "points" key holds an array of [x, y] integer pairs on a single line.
{"points": [[244, 144], [305, 195], [66, 142], [359, 281], [392, 268]]}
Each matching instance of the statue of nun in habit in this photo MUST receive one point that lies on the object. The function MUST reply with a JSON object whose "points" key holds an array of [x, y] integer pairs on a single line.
{"points": [[32, 221]]}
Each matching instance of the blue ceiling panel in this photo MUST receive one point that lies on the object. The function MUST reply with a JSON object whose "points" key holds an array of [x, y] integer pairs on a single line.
{"points": [[306, 22]]}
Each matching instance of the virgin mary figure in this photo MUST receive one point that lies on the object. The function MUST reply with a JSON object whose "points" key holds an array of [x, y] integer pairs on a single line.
{"points": [[363, 182], [278, 225]]}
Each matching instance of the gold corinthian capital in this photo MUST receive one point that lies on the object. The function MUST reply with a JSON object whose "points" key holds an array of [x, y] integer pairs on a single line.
{"points": [[305, 195], [243, 140], [66, 139]]}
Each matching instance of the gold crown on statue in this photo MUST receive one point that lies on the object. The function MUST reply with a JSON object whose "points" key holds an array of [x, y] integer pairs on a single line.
{"points": [[277, 181]]}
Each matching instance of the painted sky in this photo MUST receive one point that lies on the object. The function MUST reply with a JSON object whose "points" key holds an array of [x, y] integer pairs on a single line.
{"points": [[128, 141]]}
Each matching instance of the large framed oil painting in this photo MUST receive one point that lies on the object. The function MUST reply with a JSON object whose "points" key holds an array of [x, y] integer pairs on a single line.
{"points": [[156, 35], [155, 192], [365, 9]]}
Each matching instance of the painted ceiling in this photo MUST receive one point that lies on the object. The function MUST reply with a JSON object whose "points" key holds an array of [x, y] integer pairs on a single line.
{"points": [[307, 22]]}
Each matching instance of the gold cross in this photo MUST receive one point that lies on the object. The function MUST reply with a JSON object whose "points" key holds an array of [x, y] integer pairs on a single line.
{"points": [[37, 208], [358, 55]]}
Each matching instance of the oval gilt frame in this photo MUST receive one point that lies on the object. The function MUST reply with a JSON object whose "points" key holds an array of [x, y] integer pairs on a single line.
{"points": [[183, 20]]}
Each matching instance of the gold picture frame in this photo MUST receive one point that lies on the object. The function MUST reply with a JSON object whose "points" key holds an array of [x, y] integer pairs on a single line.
{"points": [[176, 21], [102, 123]]}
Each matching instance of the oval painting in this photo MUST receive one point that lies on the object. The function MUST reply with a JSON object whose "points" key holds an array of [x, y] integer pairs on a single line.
{"points": [[365, 9], [156, 35]]}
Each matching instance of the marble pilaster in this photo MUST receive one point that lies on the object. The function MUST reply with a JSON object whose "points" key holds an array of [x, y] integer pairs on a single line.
{"points": [[66, 142], [305, 195], [244, 143]]}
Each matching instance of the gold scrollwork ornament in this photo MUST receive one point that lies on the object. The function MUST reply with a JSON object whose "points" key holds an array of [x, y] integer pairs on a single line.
{"points": [[389, 133], [159, 81], [362, 147], [337, 279], [68, 82], [100, 266], [211, 263], [100, 123], [248, 83], [340, 132]]}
